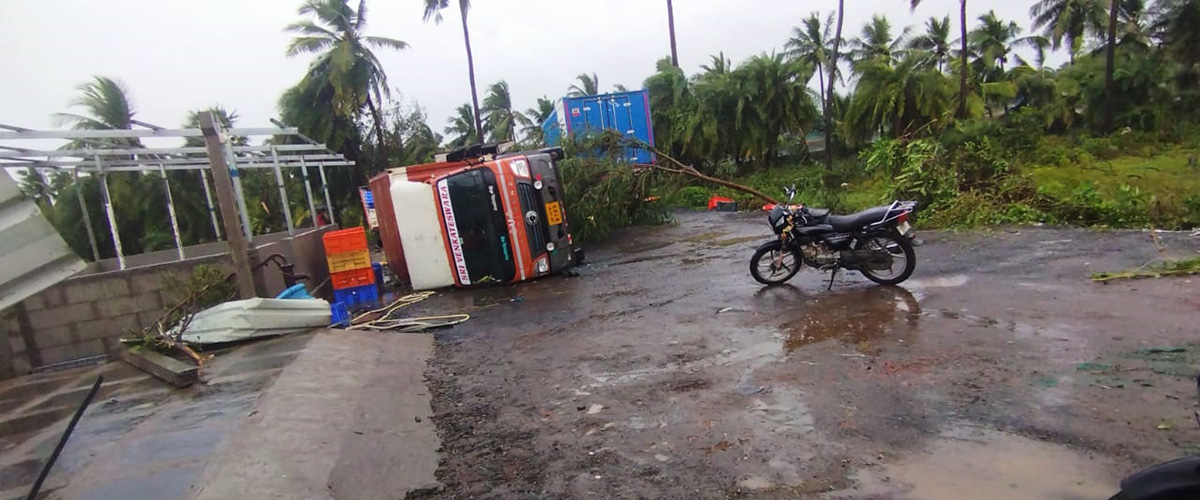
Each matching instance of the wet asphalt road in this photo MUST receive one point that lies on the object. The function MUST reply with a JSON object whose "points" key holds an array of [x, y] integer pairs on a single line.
{"points": [[665, 371]]}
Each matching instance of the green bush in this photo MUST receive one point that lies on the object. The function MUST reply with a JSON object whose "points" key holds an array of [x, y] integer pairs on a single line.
{"points": [[693, 196]]}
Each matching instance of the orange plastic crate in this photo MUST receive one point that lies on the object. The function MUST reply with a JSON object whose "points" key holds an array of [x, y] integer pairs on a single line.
{"points": [[348, 261], [345, 240], [350, 279]]}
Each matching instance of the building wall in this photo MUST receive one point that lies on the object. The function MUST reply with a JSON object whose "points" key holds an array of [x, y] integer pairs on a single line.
{"points": [[87, 314]]}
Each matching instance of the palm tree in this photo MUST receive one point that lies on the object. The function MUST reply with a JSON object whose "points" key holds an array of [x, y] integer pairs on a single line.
{"points": [[876, 42], [1068, 20], [588, 85], [671, 28], [993, 40], [896, 98], [500, 120], [462, 127], [533, 118], [106, 106], [963, 68], [346, 61], [810, 44], [829, 96], [620, 88], [935, 42], [433, 10]]}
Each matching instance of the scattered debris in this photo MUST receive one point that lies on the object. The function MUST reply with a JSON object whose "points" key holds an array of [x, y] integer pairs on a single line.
{"points": [[1160, 350], [594, 409], [1164, 426]]}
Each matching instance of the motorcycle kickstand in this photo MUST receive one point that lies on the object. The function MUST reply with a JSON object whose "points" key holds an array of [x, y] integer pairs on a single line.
{"points": [[832, 274]]}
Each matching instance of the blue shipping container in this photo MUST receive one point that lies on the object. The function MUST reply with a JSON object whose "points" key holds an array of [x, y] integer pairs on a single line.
{"points": [[625, 112]]}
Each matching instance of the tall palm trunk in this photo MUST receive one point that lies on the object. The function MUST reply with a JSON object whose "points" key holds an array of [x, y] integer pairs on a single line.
{"points": [[821, 83], [471, 74], [671, 28], [837, 42], [379, 138], [1110, 64], [962, 60]]}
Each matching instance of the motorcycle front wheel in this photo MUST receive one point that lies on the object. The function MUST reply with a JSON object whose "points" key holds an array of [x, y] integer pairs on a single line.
{"points": [[772, 264], [902, 258]]}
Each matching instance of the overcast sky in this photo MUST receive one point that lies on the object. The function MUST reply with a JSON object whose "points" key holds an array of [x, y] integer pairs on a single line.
{"points": [[176, 55]]}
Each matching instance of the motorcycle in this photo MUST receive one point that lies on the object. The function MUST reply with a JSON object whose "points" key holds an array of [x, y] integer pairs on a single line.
{"points": [[876, 242]]}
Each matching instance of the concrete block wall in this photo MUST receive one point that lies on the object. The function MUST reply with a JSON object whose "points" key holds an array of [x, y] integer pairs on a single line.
{"points": [[87, 315]]}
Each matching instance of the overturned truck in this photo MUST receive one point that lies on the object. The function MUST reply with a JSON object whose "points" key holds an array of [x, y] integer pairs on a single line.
{"points": [[478, 216]]}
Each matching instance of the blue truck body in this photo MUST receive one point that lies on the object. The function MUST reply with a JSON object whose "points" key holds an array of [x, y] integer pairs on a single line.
{"points": [[624, 112]]}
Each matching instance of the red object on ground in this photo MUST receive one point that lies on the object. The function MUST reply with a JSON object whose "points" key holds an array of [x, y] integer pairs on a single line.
{"points": [[712, 202], [351, 279], [345, 240]]}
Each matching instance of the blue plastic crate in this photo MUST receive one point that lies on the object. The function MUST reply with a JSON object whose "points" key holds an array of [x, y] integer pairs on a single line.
{"points": [[340, 316], [357, 296]]}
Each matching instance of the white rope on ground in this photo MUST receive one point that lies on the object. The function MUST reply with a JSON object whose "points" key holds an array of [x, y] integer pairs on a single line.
{"points": [[386, 322]]}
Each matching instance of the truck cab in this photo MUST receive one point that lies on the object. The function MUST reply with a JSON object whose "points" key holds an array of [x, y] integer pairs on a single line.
{"points": [[478, 217]]}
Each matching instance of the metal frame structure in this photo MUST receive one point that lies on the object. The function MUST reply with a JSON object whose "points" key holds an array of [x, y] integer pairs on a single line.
{"points": [[101, 155]]}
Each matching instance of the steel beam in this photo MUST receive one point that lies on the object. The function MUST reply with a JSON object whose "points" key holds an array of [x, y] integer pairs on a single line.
{"points": [[112, 215], [325, 187], [283, 197], [87, 219], [20, 153], [212, 212], [241, 194], [130, 134], [171, 212], [312, 209]]}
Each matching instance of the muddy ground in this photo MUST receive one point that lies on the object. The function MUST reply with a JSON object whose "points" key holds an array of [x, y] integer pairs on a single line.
{"points": [[664, 371]]}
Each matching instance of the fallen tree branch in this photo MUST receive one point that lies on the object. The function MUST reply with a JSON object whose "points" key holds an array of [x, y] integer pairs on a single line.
{"points": [[691, 171]]}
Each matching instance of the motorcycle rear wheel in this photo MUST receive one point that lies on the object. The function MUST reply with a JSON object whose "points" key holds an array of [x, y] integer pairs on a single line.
{"points": [[764, 268], [899, 247]]}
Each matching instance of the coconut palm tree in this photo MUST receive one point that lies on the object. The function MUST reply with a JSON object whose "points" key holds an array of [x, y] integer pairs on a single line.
{"points": [[993, 41], [1069, 21], [500, 119], [105, 103], [335, 31], [588, 85], [896, 99], [934, 43], [829, 96], [462, 127], [963, 68], [433, 10], [810, 44], [876, 42], [533, 118]]}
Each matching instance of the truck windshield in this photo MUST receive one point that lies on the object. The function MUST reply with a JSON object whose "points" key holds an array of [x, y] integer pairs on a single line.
{"points": [[478, 214]]}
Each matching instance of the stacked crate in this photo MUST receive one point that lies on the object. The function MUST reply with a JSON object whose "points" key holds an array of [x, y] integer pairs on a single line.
{"points": [[350, 269]]}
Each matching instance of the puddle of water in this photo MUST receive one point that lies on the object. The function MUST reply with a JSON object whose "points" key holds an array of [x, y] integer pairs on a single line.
{"points": [[990, 465], [734, 241], [939, 282], [853, 317], [787, 415]]}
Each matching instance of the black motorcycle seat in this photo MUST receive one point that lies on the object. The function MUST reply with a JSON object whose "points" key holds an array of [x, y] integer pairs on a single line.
{"points": [[845, 223]]}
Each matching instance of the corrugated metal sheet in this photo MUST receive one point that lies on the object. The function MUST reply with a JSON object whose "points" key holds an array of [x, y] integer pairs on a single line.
{"points": [[33, 256]]}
